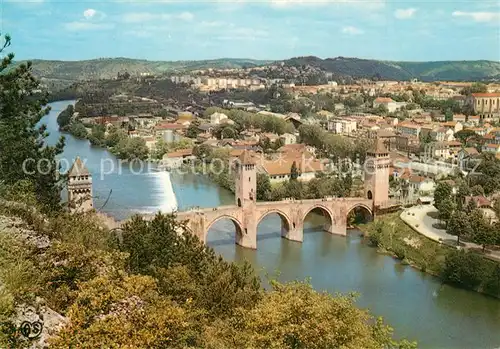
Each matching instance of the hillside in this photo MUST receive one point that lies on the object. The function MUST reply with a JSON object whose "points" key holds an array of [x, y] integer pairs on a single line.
{"points": [[388, 70], [63, 73], [59, 74]]}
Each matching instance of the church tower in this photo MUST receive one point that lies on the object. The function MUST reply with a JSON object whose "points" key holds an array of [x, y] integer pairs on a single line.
{"points": [[377, 174], [246, 180], [79, 187]]}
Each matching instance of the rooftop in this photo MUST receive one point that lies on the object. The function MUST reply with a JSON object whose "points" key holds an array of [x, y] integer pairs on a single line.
{"points": [[247, 158], [78, 168]]}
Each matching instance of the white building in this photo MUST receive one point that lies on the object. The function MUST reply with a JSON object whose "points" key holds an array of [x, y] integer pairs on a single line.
{"points": [[342, 126], [216, 118]]}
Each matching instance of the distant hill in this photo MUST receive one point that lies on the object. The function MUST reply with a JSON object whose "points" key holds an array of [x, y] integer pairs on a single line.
{"points": [[391, 70], [59, 74], [65, 72]]}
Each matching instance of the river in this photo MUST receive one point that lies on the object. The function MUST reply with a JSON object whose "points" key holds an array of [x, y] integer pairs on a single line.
{"points": [[415, 304]]}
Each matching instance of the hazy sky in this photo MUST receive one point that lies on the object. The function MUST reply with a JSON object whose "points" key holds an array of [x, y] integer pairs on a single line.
{"points": [[264, 29]]}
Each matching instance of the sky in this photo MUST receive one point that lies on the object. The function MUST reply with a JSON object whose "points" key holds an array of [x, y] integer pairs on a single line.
{"points": [[425, 30]]}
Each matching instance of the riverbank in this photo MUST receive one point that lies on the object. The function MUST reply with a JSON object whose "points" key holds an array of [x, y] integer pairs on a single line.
{"points": [[468, 270]]}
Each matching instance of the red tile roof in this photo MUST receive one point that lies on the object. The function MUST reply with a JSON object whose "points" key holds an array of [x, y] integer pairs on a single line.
{"points": [[383, 100], [496, 94]]}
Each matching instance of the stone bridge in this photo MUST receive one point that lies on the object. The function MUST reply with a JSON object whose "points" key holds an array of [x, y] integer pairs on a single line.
{"points": [[292, 214], [247, 213]]}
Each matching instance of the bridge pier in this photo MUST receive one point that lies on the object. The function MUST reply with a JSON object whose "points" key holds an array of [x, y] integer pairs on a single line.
{"points": [[247, 238], [294, 233], [338, 228]]}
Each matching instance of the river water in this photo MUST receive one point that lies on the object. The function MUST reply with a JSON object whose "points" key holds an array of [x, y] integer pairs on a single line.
{"points": [[415, 304]]}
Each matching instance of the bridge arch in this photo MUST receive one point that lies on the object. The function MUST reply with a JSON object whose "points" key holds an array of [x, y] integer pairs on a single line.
{"points": [[326, 212], [359, 213], [238, 226], [286, 222]]}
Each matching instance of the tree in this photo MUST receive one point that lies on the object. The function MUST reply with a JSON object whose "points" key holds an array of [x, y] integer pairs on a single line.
{"points": [[464, 135], [443, 192], [228, 132], [448, 115], [78, 130], [202, 151], [263, 186], [64, 117], [462, 192], [217, 286], [193, 131], [463, 268], [484, 233], [295, 316], [476, 87], [294, 172], [446, 209], [22, 142], [477, 190], [459, 225]]}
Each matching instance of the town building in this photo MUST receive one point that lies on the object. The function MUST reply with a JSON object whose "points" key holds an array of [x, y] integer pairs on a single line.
{"points": [[485, 104], [389, 103], [177, 158]]}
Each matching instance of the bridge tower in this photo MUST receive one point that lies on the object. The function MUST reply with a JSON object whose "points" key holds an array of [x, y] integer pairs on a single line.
{"points": [[79, 187], [246, 197], [246, 180], [377, 174]]}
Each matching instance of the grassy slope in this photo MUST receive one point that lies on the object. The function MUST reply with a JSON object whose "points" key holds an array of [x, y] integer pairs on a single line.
{"points": [[422, 253]]}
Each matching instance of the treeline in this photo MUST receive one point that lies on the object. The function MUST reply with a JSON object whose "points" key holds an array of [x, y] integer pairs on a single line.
{"points": [[325, 184], [465, 269], [334, 146], [244, 120], [462, 217], [116, 139]]}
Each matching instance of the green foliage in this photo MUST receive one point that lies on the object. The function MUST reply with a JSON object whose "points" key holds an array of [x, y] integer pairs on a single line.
{"points": [[157, 245], [78, 130], [460, 226], [64, 117], [476, 87], [484, 232], [442, 193], [193, 131], [463, 269], [294, 172], [465, 135], [334, 146], [477, 190], [489, 173], [21, 141], [98, 136], [296, 316], [448, 115], [161, 147], [446, 209], [131, 149], [263, 187], [125, 312]]}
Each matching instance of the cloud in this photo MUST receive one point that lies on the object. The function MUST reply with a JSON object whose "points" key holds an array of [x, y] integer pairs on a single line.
{"points": [[213, 24], [186, 16], [358, 3], [86, 25], [352, 30], [478, 16], [89, 13], [404, 13], [143, 17]]}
